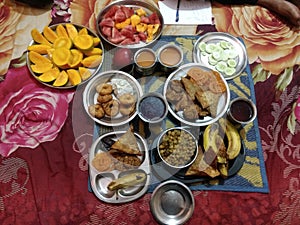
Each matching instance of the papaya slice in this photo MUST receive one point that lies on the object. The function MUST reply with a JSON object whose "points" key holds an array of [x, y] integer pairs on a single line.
{"points": [[37, 58], [61, 56], [39, 48], [94, 51], [92, 61], [71, 30], [74, 76], [49, 75], [63, 42], [49, 34], [39, 38], [61, 31], [61, 80], [85, 73], [76, 58], [41, 68], [83, 42]]}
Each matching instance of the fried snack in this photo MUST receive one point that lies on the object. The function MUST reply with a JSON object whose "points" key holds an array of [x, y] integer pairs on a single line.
{"points": [[127, 143], [190, 87], [216, 83], [123, 161], [172, 96], [104, 89], [111, 108], [177, 86], [104, 98], [191, 112], [127, 99], [127, 110], [202, 168], [200, 76], [96, 110], [103, 162]]}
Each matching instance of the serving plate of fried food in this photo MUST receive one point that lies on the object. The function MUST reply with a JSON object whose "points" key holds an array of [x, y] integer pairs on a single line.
{"points": [[130, 24], [197, 95], [221, 155], [110, 98], [64, 55], [119, 166]]}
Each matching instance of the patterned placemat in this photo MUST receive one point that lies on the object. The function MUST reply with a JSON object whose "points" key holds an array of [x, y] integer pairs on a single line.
{"points": [[252, 175]]}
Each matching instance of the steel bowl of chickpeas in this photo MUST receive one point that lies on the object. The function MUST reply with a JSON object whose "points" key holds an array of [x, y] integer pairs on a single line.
{"points": [[177, 147]]}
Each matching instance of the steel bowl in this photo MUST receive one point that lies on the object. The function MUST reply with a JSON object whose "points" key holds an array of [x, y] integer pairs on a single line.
{"points": [[171, 160], [172, 202], [134, 4]]}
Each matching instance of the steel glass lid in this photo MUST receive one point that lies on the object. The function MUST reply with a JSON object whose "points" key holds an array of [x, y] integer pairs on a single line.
{"points": [[222, 104], [123, 83], [221, 52], [106, 28], [172, 202]]}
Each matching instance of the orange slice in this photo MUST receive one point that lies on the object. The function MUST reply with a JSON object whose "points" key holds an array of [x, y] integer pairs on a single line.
{"points": [[74, 76], [61, 80], [83, 42]]}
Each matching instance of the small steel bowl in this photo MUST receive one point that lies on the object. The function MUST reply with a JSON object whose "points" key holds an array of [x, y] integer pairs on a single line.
{"points": [[172, 202], [145, 64], [152, 107], [241, 111], [173, 160], [170, 57]]}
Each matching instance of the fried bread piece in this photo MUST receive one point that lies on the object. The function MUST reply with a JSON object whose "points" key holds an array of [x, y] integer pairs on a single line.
{"points": [[202, 168], [127, 143], [190, 87], [123, 161]]}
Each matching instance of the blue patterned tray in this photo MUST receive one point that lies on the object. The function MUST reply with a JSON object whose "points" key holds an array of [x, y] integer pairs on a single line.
{"points": [[252, 175]]}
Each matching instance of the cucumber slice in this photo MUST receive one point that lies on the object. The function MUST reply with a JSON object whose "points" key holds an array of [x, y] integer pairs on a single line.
{"points": [[202, 46], [229, 71], [224, 56], [211, 60], [210, 48], [217, 56], [232, 54], [224, 44], [231, 63], [221, 66]]}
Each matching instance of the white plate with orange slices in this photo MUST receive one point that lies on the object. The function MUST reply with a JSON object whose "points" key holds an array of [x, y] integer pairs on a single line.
{"points": [[64, 55]]}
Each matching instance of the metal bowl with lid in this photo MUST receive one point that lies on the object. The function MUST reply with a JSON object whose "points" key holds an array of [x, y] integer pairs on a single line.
{"points": [[172, 202]]}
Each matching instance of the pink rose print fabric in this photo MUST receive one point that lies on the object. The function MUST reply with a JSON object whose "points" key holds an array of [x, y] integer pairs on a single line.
{"points": [[30, 112]]}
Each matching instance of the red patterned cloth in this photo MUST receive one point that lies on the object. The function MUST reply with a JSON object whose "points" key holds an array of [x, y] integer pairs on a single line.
{"points": [[44, 147]]}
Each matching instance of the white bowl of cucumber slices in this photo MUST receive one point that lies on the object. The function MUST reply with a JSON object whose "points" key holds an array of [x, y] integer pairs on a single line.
{"points": [[221, 52]]}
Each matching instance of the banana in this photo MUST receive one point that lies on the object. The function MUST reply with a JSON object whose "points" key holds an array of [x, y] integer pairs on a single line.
{"points": [[127, 181], [233, 137], [209, 136]]}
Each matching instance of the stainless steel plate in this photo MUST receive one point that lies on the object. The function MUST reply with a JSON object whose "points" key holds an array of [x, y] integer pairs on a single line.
{"points": [[172, 202], [222, 105], [134, 4], [68, 85], [100, 180], [124, 82], [241, 57]]}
